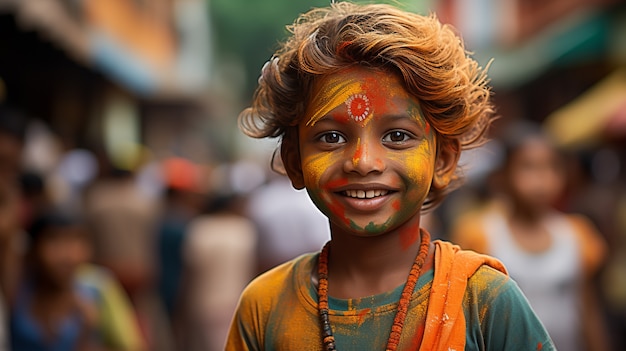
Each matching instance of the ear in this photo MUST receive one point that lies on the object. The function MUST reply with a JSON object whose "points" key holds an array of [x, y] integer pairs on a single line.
{"points": [[448, 154], [290, 155]]}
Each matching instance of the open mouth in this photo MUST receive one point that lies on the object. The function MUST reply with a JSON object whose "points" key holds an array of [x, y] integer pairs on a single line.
{"points": [[365, 194]]}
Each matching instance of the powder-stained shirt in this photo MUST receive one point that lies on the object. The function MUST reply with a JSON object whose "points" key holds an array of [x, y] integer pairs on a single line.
{"points": [[278, 311]]}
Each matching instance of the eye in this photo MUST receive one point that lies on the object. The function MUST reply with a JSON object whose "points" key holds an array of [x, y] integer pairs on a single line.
{"points": [[332, 138], [396, 136]]}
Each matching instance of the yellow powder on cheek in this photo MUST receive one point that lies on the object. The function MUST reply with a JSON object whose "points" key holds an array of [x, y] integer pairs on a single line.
{"points": [[315, 165], [415, 161]]}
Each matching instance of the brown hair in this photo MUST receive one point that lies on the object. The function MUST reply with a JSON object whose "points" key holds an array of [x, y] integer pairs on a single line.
{"points": [[428, 56]]}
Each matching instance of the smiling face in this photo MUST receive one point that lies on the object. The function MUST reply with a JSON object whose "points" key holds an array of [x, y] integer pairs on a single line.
{"points": [[366, 154]]}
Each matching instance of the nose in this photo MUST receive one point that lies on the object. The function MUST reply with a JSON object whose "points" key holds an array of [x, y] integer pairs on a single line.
{"points": [[365, 157]]}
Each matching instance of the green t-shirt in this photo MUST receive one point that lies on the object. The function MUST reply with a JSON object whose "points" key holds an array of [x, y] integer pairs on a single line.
{"points": [[278, 311]]}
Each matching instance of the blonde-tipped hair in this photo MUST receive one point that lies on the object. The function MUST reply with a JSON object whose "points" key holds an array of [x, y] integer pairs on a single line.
{"points": [[427, 55]]}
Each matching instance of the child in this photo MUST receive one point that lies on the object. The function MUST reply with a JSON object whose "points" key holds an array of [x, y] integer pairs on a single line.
{"points": [[63, 303], [553, 256], [374, 105]]}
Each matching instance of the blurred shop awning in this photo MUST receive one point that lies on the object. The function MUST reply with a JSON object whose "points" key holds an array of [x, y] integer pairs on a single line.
{"points": [[139, 45], [597, 114], [578, 36]]}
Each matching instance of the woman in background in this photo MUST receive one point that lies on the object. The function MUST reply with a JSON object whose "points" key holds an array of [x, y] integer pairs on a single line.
{"points": [[553, 256]]}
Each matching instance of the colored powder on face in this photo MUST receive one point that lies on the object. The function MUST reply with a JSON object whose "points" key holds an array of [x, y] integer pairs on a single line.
{"points": [[336, 93], [315, 165], [339, 211], [358, 107], [358, 153], [415, 162], [374, 228], [336, 183], [396, 205], [380, 89], [361, 94]]}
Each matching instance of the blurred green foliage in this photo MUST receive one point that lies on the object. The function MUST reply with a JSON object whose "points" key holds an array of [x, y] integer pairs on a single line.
{"points": [[250, 30]]}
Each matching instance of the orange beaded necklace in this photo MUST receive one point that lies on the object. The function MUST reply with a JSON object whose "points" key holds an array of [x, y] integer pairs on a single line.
{"points": [[328, 339]]}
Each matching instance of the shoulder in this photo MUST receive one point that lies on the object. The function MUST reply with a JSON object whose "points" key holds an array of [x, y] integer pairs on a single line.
{"points": [[488, 284], [498, 313], [268, 286], [268, 295]]}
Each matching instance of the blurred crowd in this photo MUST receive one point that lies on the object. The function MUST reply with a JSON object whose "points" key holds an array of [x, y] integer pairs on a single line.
{"points": [[153, 257], [98, 257]]}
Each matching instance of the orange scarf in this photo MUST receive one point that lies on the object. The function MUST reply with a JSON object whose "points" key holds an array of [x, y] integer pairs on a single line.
{"points": [[445, 320]]}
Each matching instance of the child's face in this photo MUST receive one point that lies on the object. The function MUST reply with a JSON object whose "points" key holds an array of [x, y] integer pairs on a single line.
{"points": [[367, 155], [60, 252], [535, 174]]}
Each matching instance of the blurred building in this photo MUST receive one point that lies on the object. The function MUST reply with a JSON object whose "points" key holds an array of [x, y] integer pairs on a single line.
{"points": [[115, 74], [545, 53]]}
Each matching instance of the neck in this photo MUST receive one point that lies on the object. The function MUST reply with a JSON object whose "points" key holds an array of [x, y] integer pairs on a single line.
{"points": [[525, 214], [365, 266]]}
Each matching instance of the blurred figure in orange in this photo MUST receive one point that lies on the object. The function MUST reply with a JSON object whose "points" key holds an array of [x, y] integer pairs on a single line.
{"points": [[553, 256]]}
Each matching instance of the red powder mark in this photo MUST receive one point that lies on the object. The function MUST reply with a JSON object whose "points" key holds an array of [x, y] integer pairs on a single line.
{"points": [[408, 236], [539, 346], [361, 315], [336, 183], [358, 107], [379, 163], [342, 118], [371, 86], [427, 128], [396, 205], [339, 211], [358, 154]]}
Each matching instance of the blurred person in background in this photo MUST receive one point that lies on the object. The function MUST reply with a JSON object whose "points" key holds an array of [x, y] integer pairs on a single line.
{"points": [[62, 302], [553, 256], [206, 252], [122, 219], [219, 259], [289, 224], [12, 131], [183, 201]]}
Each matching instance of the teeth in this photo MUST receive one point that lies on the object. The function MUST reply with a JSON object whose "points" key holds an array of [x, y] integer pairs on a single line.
{"points": [[362, 194]]}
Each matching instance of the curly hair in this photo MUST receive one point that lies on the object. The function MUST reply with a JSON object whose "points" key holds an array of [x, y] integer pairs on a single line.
{"points": [[427, 55]]}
